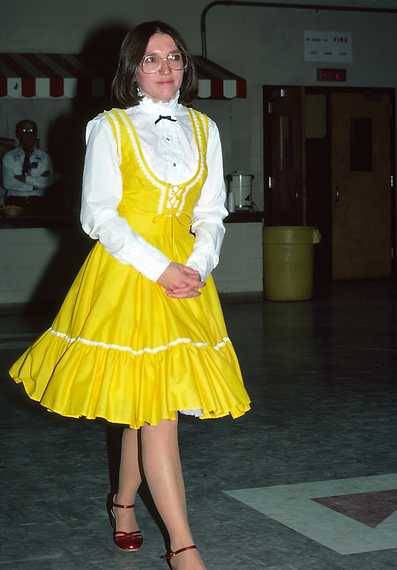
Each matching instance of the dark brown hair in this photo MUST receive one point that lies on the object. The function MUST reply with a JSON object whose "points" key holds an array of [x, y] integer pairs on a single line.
{"points": [[124, 85]]}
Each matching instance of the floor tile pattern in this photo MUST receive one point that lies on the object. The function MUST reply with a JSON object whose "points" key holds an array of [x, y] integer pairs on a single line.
{"points": [[282, 488], [369, 508], [297, 506]]}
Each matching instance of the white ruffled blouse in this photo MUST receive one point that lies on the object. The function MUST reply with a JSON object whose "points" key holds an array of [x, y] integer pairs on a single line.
{"points": [[171, 152]]}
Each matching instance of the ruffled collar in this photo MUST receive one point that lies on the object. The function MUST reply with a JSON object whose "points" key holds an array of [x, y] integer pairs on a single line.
{"points": [[156, 108]]}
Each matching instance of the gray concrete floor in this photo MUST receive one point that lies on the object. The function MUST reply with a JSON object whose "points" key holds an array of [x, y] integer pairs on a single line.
{"points": [[322, 378]]}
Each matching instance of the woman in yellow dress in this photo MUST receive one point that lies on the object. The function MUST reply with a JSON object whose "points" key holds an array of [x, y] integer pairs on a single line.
{"points": [[140, 335]]}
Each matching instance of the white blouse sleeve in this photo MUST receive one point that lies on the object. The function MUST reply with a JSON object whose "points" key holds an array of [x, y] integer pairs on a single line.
{"points": [[102, 192], [209, 212]]}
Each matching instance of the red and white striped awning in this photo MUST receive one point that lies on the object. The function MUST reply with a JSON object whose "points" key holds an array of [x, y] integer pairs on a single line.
{"points": [[216, 82], [43, 75]]}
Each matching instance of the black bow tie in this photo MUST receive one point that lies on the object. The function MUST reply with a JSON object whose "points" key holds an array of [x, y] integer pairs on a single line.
{"points": [[168, 117]]}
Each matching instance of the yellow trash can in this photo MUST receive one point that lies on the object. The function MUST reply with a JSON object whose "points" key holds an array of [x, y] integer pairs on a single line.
{"points": [[288, 262]]}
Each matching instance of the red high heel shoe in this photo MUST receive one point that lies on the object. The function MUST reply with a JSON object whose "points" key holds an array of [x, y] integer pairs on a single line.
{"points": [[170, 554], [128, 541]]}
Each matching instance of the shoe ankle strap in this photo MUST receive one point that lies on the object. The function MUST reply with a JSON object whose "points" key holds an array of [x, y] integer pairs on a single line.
{"points": [[170, 554], [121, 506]]}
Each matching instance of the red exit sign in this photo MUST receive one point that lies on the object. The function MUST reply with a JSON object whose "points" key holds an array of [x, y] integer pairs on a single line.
{"points": [[328, 74]]}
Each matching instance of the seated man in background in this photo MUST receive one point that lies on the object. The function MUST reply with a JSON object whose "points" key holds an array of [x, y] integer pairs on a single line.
{"points": [[27, 170]]}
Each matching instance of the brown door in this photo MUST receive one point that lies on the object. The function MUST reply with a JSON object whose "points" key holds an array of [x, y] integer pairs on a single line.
{"points": [[284, 156], [361, 168]]}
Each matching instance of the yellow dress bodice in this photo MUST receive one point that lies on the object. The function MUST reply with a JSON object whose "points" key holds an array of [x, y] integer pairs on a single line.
{"points": [[143, 191]]}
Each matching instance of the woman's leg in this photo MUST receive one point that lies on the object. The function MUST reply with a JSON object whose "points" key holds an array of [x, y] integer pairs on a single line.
{"points": [[129, 481], [163, 472]]}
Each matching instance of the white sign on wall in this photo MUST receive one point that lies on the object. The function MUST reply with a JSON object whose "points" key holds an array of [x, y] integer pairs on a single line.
{"points": [[332, 47]]}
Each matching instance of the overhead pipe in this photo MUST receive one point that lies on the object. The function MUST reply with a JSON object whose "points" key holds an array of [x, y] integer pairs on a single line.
{"points": [[315, 7]]}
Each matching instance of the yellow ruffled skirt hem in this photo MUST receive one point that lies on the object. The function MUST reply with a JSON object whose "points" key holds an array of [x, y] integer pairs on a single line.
{"points": [[76, 380]]}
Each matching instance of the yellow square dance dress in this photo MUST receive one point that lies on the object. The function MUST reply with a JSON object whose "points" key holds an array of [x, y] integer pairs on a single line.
{"points": [[120, 348]]}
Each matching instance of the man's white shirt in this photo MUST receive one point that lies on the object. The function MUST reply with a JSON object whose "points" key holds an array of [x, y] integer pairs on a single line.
{"points": [[35, 183]]}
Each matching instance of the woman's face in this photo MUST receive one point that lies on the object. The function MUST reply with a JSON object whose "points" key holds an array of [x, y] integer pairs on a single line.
{"points": [[165, 82]]}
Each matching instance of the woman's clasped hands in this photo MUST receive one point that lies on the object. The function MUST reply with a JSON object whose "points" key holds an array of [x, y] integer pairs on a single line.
{"points": [[180, 281]]}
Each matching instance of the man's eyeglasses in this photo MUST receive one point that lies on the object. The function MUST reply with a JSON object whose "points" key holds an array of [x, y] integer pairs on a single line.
{"points": [[152, 63], [28, 130]]}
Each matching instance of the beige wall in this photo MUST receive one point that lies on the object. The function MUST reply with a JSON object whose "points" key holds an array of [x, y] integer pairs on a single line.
{"points": [[33, 268]]}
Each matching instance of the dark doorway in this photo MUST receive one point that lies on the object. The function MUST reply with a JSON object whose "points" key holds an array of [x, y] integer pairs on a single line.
{"points": [[329, 162]]}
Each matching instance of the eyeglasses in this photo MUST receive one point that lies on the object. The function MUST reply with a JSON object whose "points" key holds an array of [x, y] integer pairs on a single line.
{"points": [[152, 63], [28, 130]]}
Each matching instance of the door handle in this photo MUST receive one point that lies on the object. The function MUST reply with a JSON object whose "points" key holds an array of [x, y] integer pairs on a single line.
{"points": [[338, 197]]}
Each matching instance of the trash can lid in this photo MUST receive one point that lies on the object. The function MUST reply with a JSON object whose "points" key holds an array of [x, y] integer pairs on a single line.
{"points": [[293, 235]]}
